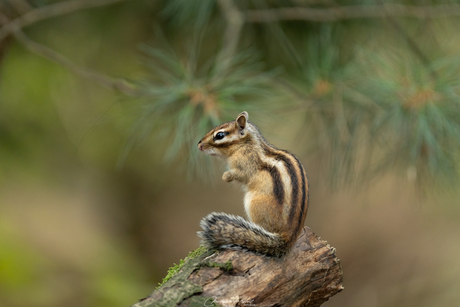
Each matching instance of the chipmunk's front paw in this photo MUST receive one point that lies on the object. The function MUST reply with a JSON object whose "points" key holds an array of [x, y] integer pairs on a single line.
{"points": [[227, 176]]}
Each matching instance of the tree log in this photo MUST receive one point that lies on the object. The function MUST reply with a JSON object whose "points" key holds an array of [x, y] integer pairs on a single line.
{"points": [[307, 276]]}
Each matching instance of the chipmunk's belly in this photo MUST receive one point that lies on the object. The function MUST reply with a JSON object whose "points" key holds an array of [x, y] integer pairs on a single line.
{"points": [[247, 203]]}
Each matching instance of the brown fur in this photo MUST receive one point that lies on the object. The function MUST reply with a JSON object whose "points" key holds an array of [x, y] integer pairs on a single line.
{"points": [[276, 191]]}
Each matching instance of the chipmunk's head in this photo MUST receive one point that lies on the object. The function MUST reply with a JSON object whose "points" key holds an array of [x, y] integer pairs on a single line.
{"points": [[222, 140]]}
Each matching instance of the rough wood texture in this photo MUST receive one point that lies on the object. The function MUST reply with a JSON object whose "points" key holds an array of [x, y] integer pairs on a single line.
{"points": [[308, 276]]}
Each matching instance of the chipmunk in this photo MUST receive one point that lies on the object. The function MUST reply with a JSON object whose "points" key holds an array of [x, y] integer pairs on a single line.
{"points": [[276, 191]]}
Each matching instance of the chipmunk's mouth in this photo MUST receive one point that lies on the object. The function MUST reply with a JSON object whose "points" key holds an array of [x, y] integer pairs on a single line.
{"points": [[207, 151], [211, 153]]}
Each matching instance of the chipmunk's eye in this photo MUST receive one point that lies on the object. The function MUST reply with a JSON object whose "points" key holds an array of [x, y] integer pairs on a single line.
{"points": [[220, 135]]}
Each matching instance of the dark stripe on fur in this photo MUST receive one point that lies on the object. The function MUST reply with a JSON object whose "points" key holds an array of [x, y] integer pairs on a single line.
{"points": [[226, 144], [278, 187], [245, 140], [295, 185], [283, 156], [304, 196]]}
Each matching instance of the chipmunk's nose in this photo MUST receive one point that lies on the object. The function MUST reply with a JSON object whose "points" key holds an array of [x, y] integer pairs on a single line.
{"points": [[200, 146]]}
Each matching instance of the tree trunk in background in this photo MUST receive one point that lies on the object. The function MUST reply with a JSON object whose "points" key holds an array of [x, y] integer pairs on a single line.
{"points": [[308, 276]]}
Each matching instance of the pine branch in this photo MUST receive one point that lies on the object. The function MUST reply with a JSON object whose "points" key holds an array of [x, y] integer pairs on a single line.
{"points": [[50, 11], [57, 58], [351, 12]]}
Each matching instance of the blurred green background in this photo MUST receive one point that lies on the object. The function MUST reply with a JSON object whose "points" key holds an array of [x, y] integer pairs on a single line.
{"points": [[102, 103]]}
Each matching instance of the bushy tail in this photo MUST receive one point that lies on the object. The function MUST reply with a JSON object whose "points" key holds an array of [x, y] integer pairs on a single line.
{"points": [[226, 231]]}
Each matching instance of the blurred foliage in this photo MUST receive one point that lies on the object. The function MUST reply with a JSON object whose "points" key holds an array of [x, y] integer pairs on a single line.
{"points": [[414, 120], [388, 108], [372, 110], [397, 97]]}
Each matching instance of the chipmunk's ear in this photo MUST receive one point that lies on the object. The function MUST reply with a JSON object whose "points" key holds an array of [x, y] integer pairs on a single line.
{"points": [[241, 122]]}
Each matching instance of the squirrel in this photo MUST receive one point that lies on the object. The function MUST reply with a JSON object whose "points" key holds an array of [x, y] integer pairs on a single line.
{"points": [[276, 191]]}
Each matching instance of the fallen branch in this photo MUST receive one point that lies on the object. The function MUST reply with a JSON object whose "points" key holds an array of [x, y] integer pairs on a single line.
{"points": [[308, 276]]}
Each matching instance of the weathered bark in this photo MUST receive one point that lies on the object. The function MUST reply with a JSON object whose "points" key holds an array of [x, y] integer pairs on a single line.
{"points": [[308, 276]]}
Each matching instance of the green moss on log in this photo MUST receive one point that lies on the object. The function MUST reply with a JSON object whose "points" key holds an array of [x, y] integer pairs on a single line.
{"points": [[226, 266], [176, 288], [176, 267]]}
